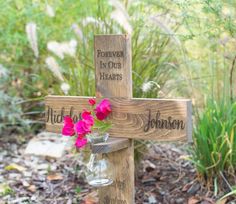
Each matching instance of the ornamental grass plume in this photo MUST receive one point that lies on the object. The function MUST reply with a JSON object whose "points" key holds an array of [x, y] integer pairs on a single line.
{"points": [[54, 67], [65, 87], [119, 6], [92, 20], [77, 30], [55, 48], [148, 85], [62, 49], [32, 37], [3, 71], [164, 26], [50, 11], [121, 16]]}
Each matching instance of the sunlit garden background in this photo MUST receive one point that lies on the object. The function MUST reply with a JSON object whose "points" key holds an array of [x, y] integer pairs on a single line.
{"points": [[180, 49]]}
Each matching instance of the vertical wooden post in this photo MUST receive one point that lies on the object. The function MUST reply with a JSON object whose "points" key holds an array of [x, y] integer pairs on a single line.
{"points": [[112, 56]]}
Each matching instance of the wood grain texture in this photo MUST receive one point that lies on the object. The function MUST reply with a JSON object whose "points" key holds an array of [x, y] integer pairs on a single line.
{"points": [[122, 189], [116, 65], [130, 116], [111, 145]]}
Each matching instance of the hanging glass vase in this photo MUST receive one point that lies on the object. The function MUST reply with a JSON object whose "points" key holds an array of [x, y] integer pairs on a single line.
{"points": [[99, 170]]}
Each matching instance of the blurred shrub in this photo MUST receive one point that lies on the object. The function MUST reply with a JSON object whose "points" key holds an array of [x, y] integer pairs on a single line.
{"points": [[11, 120], [11, 113]]}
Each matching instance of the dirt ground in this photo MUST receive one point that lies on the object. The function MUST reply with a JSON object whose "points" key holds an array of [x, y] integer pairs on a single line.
{"points": [[163, 176]]}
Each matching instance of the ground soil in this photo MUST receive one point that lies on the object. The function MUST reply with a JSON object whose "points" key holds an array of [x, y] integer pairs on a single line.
{"points": [[163, 176]]}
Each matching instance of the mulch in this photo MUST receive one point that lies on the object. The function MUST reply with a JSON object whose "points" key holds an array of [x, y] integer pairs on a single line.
{"points": [[163, 176], [166, 176]]}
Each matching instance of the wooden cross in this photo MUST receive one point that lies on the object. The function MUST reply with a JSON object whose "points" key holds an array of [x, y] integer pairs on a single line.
{"points": [[132, 118]]}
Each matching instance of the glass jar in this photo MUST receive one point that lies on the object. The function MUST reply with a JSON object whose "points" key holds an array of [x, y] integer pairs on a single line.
{"points": [[99, 170], [95, 137]]}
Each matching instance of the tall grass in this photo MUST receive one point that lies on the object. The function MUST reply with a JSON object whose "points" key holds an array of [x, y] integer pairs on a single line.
{"points": [[215, 139], [214, 152], [154, 53]]}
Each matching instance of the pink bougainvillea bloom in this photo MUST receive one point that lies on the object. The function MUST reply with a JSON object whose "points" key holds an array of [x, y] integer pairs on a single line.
{"points": [[103, 109], [88, 118], [80, 142], [68, 120], [68, 126], [92, 101], [82, 127], [85, 114]]}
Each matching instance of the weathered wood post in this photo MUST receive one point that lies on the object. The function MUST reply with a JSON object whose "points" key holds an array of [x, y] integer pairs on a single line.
{"points": [[112, 57]]}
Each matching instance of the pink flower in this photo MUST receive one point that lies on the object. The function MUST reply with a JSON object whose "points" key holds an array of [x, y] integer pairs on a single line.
{"points": [[88, 118], [82, 127], [80, 142], [68, 127], [85, 114], [103, 109], [92, 101]]}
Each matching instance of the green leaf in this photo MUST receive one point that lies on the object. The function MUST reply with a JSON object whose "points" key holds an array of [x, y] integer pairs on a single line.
{"points": [[78, 189], [101, 126]]}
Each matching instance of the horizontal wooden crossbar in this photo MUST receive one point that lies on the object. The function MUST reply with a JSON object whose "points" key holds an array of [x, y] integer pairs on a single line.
{"points": [[111, 145], [149, 119]]}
